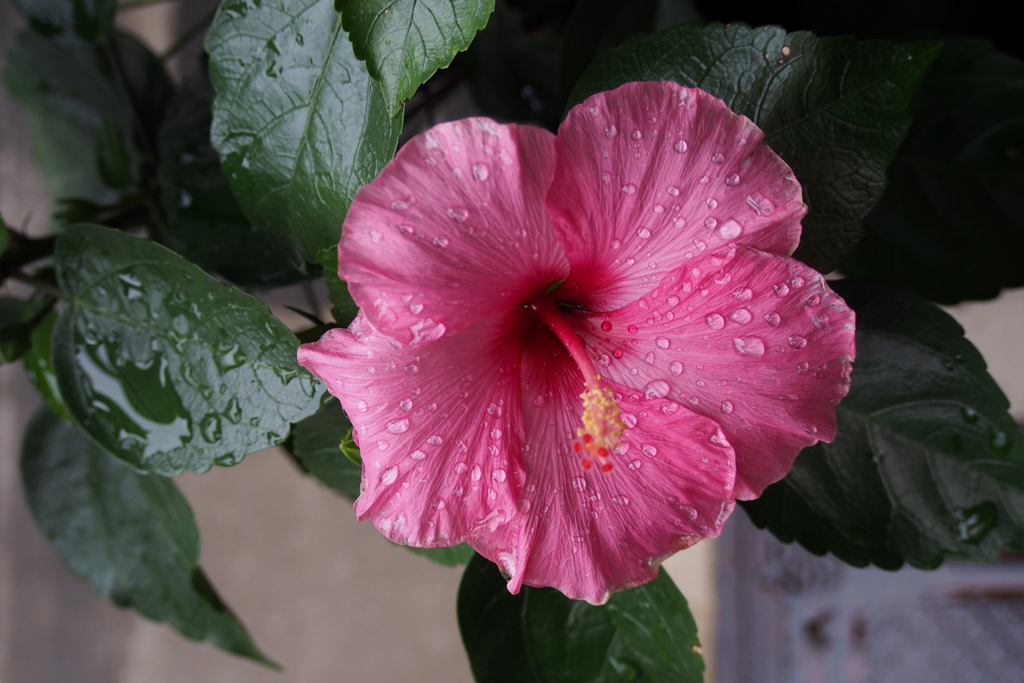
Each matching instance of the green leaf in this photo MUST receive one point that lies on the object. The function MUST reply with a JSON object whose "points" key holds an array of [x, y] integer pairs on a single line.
{"points": [[112, 156], [405, 41], [927, 464], [203, 221], [343, 308], [92, 20], [68, 91], [298, 121], [834, 108], [18, 317], [163, 365], [951, 223], [38, 364], [317, 444], [642, 634], [131, 536]]}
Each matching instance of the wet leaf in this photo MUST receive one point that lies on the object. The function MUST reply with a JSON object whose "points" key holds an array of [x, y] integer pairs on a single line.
{"points": [[951, 223], [298, 121], [131, 536], [163, 365], [405, 41], [642, 634], [927, 464], [834, 108], [203, 221]]}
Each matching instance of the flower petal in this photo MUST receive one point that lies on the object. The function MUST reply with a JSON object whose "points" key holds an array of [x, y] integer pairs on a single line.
{"points": [[756, 342], [436, 426], [453, 227], [589, 533], [650, 174]]}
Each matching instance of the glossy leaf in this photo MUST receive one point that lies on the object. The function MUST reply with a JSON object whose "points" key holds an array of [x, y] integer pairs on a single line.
{"points": [[951, 223], [927, 464], [298, 121], [405, 41], [163, 365], [68, 91], [343, 308], [317, 444], [641, 634], [92, 20], [834, 108], [131, 536], [202, 219]]}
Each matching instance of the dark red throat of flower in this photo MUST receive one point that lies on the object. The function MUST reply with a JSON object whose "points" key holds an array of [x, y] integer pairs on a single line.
{"points": [[602, 427]]}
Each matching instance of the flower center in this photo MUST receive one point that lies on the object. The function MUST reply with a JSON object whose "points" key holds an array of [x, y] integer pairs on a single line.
{"points": [[602, 426]]}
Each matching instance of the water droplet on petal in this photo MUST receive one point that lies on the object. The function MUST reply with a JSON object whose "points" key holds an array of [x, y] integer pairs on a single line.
{"points": [[643, 233], [649, 450], [715, 321], [637, 135], [726, 407], [617, 353], [634, 465], [733, 180], [610, 130], [717, 158], [730, 230], [415, 308], [772, 318], [375, 236], [690, 512], [676, 367], [579, 483], [441, 241], [389, 476], [741, 316], [417, 455], [620, 500], [680, 146], [632, 329], [495, 433], [458, 213], [398, 426], [649, 358], [498, 475], [712, 203], [749, 346], [434, 440], [797, 342], [481, 172], [475, 473], [606, 326], [658, 388], [629, 189], [629, 420], [662, 342]]}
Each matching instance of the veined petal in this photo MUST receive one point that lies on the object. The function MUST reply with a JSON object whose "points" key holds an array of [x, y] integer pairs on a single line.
{"points": [[439, 427], [589, 533], [650, 174], [755, 341], [453, 229]]}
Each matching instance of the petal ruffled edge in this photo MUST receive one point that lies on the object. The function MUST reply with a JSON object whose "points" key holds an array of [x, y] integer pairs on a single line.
{"points": [[651, 174]]}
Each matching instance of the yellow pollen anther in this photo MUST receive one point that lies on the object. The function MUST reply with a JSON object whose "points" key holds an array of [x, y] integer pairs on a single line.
{"points": [[602, 427]]}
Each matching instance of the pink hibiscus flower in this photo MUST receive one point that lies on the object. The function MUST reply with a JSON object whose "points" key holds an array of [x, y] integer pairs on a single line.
{"points": [[576, 352]]}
